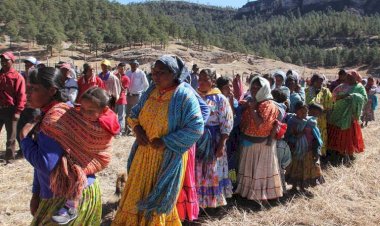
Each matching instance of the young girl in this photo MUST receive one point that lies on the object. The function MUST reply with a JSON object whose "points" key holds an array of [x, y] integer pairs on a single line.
{"points": [[305, 142], [97, 120], [224, 84]]}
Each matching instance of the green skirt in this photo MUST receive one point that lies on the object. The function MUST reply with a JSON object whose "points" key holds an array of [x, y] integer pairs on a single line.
{"points": [[89, 211]]}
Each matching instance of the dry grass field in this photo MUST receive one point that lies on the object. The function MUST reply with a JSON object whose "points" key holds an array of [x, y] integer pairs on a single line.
{"points": [[350, 196]]}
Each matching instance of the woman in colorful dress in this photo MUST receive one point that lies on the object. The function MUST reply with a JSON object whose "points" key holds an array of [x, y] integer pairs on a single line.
{"points": [[46, 153], [164, 134], [318, 94], [259, 177], [213, 183], [224, 84], [344, 131], [371, 105]]}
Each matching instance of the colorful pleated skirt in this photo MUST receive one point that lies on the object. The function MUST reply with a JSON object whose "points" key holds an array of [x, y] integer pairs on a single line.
{"points": [[89, 211], [348, 141], [187, 204]]}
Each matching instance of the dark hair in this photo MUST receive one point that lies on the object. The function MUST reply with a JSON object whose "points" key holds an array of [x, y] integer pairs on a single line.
{"points": [[222, 81], [97, 95], [291, 78], [121, 64], [315, 77], [86, 67], [289, 72], [314, 106], [299, 105], [270, 78], [342, 72], [279, 96], [50, 77], [210, 74]]}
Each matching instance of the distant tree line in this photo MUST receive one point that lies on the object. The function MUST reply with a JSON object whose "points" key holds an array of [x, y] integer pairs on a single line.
{"points": [[318, 38]]}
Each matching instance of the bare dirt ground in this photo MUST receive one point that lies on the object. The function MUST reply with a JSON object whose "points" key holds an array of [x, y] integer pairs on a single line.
{"points": [[350, 196]]}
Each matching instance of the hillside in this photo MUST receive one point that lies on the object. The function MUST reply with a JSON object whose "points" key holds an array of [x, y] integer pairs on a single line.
{"points": [[282, 6], [317, 38], [350, 195]]}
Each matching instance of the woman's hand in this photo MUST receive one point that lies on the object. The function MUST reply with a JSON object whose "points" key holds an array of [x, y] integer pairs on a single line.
{"points": [[34, 203], [141, 136], [26, 130], [157, 143]]}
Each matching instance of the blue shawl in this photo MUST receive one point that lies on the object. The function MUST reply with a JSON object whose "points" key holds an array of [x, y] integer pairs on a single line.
{"points": [[186, 126], [301, 143]]}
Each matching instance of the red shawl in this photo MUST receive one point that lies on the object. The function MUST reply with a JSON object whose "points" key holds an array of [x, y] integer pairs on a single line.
{"points": [[86, 144]]}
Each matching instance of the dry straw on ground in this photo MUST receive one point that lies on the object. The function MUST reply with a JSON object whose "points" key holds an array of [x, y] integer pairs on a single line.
{"points": [[350, 196]]}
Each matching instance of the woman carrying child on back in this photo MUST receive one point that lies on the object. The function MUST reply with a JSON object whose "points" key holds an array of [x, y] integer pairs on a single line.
{"points": [[66, 148]]}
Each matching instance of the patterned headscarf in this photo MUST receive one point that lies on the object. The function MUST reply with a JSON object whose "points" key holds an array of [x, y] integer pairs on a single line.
{"points": [[355, 74], [175, 65], [315, 77], [264, 92]]}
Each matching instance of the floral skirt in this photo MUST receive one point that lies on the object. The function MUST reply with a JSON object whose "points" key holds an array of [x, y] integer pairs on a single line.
{"points": [[346, 142], [368, 113], [89, 210], [187, 204], [213, 183], [259, 177]]}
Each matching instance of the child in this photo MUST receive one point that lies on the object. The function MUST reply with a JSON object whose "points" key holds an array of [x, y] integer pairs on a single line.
{"points": [[99, 120], [284, 155], [305, 142]]}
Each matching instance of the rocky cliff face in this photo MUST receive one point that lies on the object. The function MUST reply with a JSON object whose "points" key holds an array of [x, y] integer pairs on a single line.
{"points": [[276, 6]]}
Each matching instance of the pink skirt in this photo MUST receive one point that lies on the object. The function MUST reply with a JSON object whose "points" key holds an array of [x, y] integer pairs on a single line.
{"points": [[187, 204]]}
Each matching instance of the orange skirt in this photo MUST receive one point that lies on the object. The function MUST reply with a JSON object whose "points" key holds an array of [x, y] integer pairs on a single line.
{"points": [[346, 142]]}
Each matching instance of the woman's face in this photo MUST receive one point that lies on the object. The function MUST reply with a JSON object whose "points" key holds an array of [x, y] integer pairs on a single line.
{"points": [[291, 84], [162, 76], [279, 80], [204, 82], [90, 71], [370, 82], [318, 83], [255, 87], [227, 89], [90, 110], [39, 96]]}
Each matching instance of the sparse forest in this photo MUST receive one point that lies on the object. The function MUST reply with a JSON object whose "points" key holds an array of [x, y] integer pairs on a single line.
{"points": [[316, 38]]}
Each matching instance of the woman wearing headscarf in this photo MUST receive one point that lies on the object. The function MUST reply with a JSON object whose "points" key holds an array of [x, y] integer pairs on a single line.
{"points": [[344, 132], [295, 94], [213, 183], [318, 94], [371, 105], [258, 177], [280, 78], [167, 122]]}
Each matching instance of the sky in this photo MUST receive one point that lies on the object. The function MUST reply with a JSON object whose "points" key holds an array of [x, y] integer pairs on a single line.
{"points": [[233, 3]]}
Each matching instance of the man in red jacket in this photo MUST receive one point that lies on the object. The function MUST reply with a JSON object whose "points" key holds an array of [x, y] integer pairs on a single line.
{"points": [[12, 101]]}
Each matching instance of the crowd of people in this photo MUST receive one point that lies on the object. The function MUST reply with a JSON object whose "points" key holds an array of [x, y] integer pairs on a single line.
{"points": [[200, 138]]}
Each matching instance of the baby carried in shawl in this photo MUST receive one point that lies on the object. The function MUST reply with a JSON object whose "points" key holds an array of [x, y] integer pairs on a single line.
{"points": [[86, 144]]}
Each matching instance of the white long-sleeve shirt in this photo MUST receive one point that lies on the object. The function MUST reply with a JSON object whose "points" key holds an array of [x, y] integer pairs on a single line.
{"points": [[112, 84], [139, 82]]}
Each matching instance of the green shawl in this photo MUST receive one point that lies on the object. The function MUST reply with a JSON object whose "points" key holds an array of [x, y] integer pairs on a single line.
{"points": [[349, 108]]}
